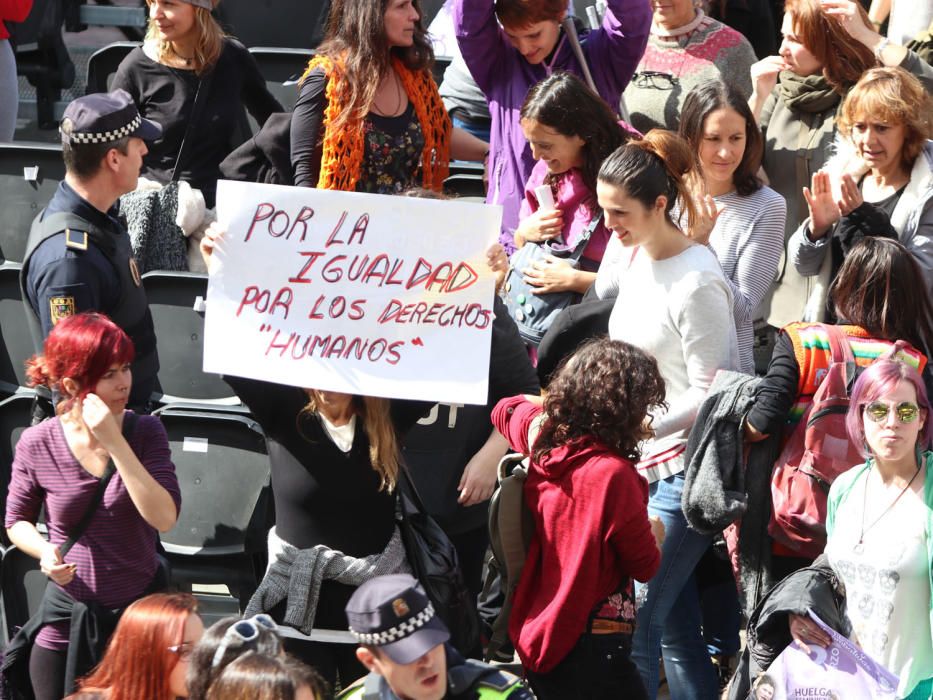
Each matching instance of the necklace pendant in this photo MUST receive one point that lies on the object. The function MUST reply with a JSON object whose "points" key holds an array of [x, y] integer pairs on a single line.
{"points": [[859, 548]]}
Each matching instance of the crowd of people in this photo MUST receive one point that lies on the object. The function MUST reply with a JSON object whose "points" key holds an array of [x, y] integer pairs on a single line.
{"points": [[698, 236]]}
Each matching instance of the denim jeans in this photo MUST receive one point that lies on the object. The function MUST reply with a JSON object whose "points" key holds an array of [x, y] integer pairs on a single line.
{"points": [[669, 619]]}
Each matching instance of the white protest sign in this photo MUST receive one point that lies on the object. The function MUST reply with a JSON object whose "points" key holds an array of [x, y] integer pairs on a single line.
{"points": [[357, 293]]}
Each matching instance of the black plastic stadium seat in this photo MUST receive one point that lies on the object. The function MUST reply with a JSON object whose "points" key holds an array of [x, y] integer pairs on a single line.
{"points": [[29, 176]]}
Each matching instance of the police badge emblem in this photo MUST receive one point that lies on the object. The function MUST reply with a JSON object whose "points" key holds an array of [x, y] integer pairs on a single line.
{"points": [[61, 308], [400, 608]]}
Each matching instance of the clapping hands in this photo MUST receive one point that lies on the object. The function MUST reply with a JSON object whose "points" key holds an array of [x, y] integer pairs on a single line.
{"points": [[826, 208]]}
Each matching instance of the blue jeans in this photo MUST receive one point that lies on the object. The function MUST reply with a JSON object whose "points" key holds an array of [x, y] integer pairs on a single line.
{"points": [[478, 131], [669, 619]]}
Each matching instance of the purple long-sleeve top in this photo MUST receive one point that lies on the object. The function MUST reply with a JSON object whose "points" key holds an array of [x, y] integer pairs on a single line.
{"points": [[116, 555], [612, 53]]}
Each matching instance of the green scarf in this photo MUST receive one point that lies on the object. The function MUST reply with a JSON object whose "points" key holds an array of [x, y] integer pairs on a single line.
{"points": [[810, 93]]}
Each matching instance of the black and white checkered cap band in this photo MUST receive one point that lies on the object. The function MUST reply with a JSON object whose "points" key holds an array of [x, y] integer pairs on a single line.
{"points": [[105, 136], [398, 632]]}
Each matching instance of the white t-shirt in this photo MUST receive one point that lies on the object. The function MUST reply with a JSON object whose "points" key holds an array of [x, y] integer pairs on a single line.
{"points": [[680, 311], [887, 581], [342, 435]]}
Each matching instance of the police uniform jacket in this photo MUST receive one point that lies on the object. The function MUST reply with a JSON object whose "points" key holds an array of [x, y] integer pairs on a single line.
{"points": [[80, 259]]}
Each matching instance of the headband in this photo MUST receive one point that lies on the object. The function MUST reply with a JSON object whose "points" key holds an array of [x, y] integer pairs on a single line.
{"points": [[206, 4]]}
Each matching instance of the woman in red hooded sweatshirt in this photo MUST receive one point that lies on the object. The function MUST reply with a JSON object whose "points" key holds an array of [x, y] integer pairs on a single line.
{"points": [[10, 11], [573, 614]]}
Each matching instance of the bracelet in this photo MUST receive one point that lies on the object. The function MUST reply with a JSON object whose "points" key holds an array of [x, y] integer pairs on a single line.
{"points": [[880, 47]]}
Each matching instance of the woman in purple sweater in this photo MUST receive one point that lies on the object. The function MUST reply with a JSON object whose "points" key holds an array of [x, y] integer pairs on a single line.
{"points": [[59, 464], [529, 46]]}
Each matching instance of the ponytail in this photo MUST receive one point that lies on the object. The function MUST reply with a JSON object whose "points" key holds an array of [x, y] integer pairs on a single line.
{"points": [[655, 165]]}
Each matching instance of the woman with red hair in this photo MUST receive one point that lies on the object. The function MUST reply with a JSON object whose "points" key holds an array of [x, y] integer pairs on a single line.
{"points": [[100, 554], [148, 654]]}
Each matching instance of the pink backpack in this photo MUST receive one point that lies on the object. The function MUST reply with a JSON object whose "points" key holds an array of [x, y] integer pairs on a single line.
{"points": [[818, 451]]}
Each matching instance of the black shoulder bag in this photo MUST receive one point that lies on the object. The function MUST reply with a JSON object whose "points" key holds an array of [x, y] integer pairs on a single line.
{"points": [[433, 560]]}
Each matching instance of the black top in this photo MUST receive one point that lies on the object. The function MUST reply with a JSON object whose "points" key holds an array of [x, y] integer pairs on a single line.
{"points": [[442, 443], [166, 95], [323, 495], [392, 145]]}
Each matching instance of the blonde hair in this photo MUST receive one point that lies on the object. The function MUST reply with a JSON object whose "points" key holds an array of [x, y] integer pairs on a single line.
{"points": [[893, 96], [380, 430], [208, 47]]}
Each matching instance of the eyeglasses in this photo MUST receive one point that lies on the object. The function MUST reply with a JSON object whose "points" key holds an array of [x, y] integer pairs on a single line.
{"points": [[183, 650], [655, 80], [243, 632], [906, 411]]}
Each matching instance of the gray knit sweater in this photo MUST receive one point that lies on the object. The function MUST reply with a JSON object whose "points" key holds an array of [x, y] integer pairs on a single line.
{"points": [[694, 54]]}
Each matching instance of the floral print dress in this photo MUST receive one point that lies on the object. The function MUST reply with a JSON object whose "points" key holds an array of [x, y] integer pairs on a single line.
{"points": [[392, 153]]}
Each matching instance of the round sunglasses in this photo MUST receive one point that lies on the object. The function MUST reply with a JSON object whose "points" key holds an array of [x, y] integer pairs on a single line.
{"points": [[906, 411]]}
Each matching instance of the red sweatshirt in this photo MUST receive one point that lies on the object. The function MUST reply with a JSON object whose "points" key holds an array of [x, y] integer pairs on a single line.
{"points": [[590, 509], [13, 11]]}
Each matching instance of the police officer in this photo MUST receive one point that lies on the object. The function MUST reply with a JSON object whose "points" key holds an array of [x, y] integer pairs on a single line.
{"points": [[78, 257], [403, 646]]}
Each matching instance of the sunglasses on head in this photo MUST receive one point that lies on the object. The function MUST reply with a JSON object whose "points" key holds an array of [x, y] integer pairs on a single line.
{"points": [[243, 632], [906, 412]]}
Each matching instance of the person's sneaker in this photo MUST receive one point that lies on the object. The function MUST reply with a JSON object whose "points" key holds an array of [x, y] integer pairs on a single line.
{"points": [[725, 667]]}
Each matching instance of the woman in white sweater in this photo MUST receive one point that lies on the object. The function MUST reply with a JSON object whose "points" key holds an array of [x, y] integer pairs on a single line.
{"points": [[673, 302]]}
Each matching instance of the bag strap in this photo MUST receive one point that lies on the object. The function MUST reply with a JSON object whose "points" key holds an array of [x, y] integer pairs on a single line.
{"points": [[129, 424], [840, 350], [510, 516], [204, 87], [582, 242]]}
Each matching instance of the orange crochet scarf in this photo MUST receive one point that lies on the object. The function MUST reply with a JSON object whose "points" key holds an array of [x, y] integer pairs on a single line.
{"points": [[342, 158]]}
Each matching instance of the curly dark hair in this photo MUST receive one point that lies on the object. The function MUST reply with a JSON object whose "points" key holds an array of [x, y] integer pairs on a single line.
{"points": [[604, 390]]}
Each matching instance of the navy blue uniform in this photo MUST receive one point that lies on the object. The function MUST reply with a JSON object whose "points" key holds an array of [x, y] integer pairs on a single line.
{"points": [[62, 279]]}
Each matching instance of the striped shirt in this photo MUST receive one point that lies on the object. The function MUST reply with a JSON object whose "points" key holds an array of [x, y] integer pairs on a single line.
{"points": [[116, 555], [748, 240]]}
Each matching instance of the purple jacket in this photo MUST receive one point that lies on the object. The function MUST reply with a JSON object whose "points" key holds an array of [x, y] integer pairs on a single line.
{"points": [[612, 52]]}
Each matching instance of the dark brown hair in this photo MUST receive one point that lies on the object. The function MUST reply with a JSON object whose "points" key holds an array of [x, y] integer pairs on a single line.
{"points": [[356, 36], [517, 14], [706, 99], [257, 677], [651, 166], [880, 287], [565, 103], [603, 391], [201, 669], [843, 58]]}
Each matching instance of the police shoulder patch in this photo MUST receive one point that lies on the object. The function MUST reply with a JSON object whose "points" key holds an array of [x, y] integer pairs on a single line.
{"points": [[60, 308], [75, 240]]}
